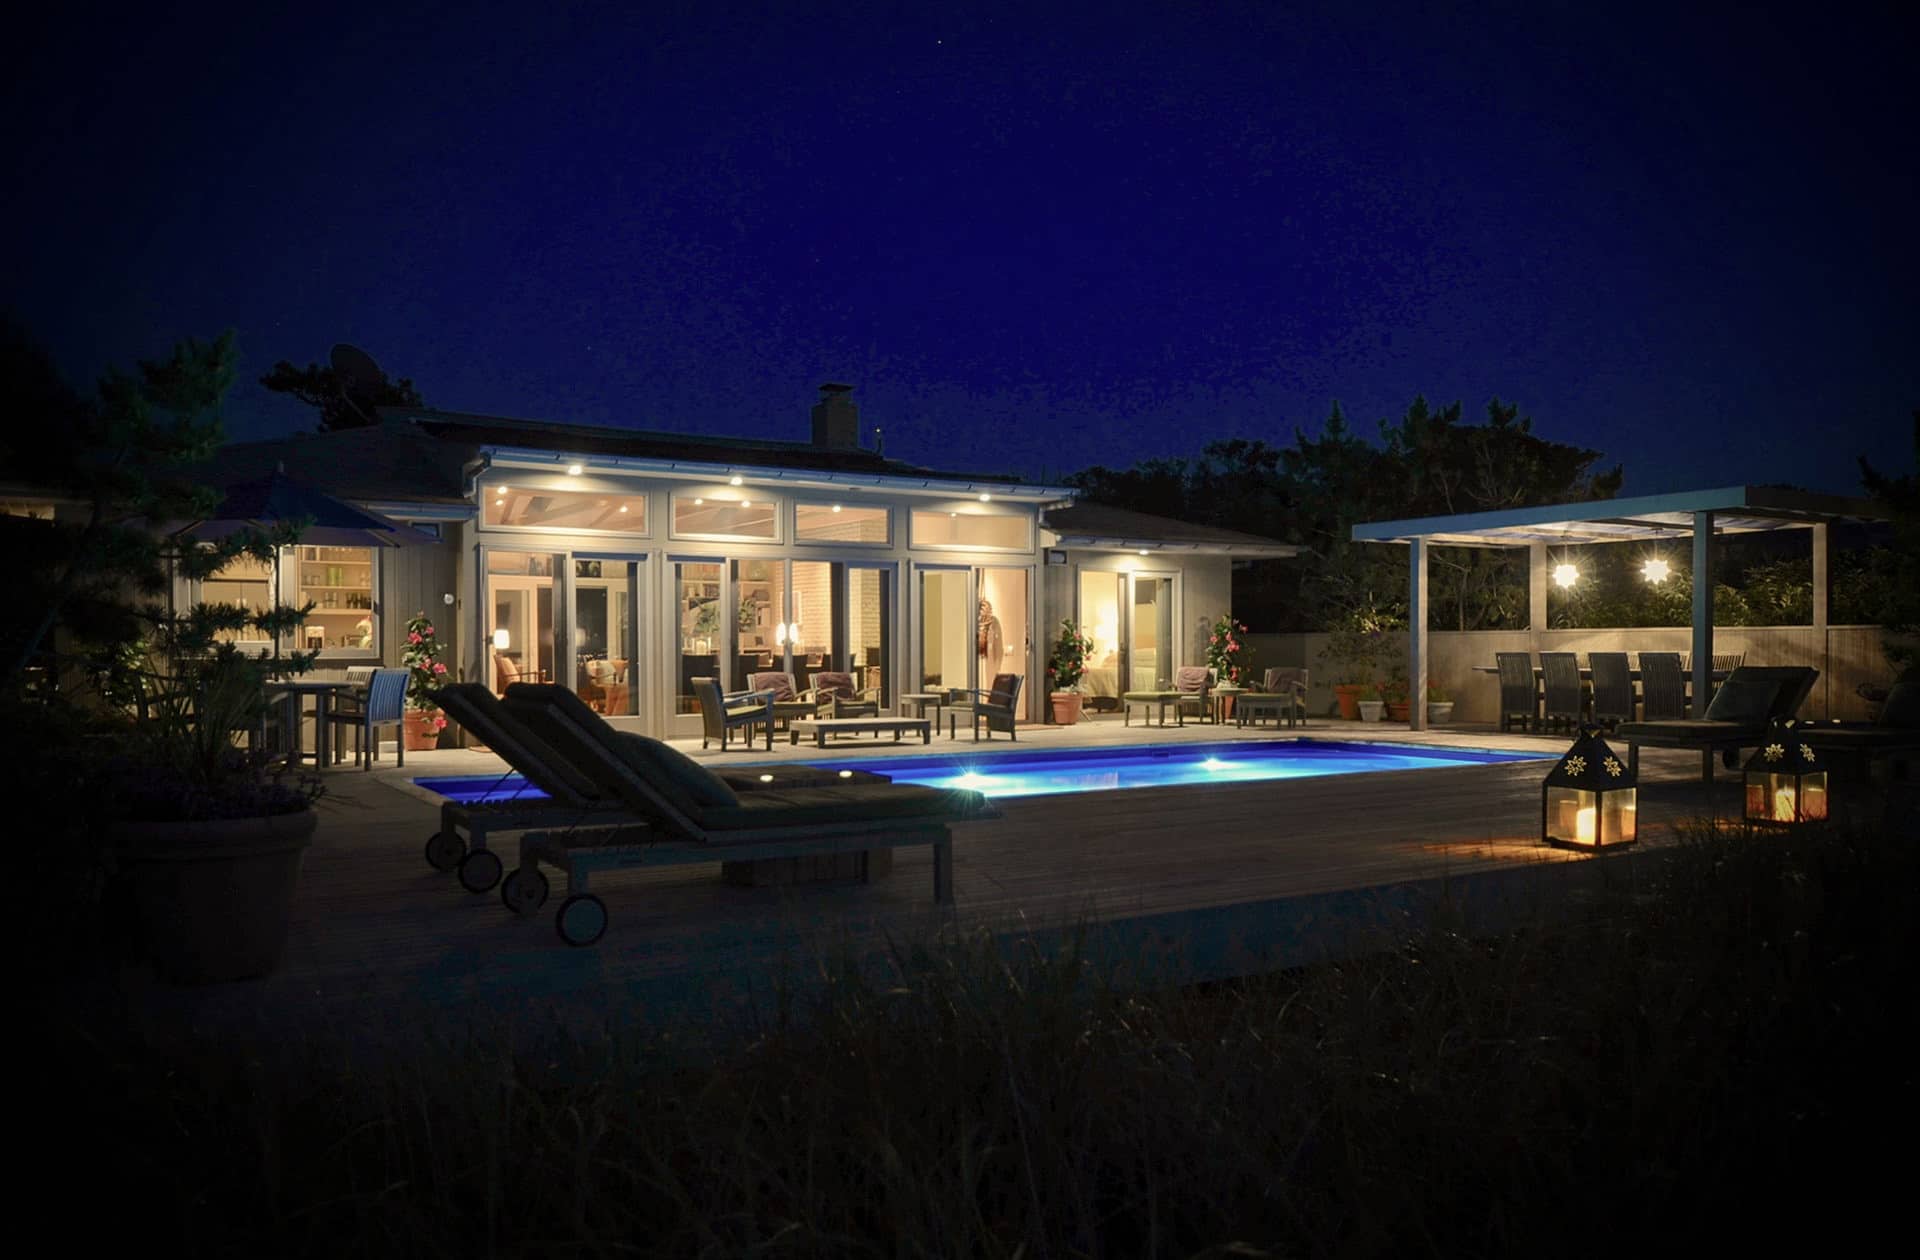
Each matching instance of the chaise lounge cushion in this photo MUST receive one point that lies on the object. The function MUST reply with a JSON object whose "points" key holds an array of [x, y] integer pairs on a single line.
{"points": [[1746, 702], [814, 807], [672, 772], [482, 713]]}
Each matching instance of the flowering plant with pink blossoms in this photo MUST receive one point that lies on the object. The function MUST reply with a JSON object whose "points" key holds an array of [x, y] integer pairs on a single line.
{"points": [[425, 670], [1227, 653]]}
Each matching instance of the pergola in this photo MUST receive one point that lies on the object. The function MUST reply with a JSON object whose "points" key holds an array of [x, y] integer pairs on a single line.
{"points": [[1695, 514]]}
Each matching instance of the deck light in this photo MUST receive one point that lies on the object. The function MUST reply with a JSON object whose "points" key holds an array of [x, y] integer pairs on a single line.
{"points": [[1656, 570], [766, 778], [846, 774], [1565, 575], [1786, 783], [1590, 799], [735, 481], [574, 470]]}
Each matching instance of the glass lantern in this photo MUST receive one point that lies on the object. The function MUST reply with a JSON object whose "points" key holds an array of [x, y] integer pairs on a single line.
{"points": [[1786, 783], [1590, 799]]}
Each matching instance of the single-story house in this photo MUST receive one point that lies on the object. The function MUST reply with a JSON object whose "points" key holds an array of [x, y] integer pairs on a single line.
{"points": [[624, 563]]}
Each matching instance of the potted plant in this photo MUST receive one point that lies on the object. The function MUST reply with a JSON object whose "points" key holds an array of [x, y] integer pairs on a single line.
{"points": [[1369, 703], [1352, 658], [1066, 666], [1229, 658], [1439, 705], [1395, 691], [425, 673], [207, 837]]}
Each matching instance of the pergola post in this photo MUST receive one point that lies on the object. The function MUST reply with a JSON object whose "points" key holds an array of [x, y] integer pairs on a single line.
{"points": [[1536, 594], [1820, 618], [1702, 611], [1417, 635]]}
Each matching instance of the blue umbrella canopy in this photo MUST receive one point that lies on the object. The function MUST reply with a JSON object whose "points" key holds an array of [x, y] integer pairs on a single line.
{"points": [[331, 522]]}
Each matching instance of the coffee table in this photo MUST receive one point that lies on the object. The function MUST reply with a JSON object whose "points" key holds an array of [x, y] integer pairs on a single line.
{"points": [[820, 728]]}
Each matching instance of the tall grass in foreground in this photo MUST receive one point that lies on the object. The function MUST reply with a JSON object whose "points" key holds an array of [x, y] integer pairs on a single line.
{"points": [[1714, 1054]]}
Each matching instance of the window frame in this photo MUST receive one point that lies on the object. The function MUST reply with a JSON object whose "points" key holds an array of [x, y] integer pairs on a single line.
{"points": [[914, 544], [778, 503], [885, 509], [563, 531]]}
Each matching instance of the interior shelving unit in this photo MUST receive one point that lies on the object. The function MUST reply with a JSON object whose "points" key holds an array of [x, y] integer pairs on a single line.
{"points": [[338, 582]]}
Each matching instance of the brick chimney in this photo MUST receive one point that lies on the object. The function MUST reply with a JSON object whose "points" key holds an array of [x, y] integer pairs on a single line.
{"points": [[836, 420]]}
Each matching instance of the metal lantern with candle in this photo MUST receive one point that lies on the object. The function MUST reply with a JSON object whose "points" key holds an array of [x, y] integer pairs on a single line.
{"points": [[1786, 782], [1590, 799]]}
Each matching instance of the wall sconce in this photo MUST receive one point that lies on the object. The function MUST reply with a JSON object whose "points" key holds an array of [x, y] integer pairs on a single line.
{"points": [[1565, 575]]}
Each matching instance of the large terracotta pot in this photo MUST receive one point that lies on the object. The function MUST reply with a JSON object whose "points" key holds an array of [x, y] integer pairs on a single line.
{"points": [[420, 731], [211, 900], [1348, 694], [1399, 710], [1066, 707]]}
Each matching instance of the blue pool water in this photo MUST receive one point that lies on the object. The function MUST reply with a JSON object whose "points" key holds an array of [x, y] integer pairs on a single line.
{"points": [[1009, 774]]}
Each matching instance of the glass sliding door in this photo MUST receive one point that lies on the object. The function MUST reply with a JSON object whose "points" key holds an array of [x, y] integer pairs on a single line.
{"points": [[1003, 628], [949, 622], [1101, 597], [815, 634], [699, 633], [757, 627], [1151, 650], [520, 617], [604, 641], [867, 611]]}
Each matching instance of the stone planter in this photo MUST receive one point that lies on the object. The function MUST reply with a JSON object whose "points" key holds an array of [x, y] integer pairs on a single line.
{"points": [[1439, 712], [1371, 710], [420, 731], [1066, 707], [1348, 696], [210, 900]]}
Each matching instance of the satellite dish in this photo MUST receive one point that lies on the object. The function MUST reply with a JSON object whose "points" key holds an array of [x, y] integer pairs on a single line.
{"points": [[357, 373]]}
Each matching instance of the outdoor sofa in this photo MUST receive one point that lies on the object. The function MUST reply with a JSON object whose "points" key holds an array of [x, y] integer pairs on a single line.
{"points": [[690, 814], [572, 798], [1746, 703]]}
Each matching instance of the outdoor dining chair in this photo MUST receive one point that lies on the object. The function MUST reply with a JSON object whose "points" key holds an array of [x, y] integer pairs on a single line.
{"points": [[1663, 687], [1612, 687], [384, 705], [1565, 704], [1518, 698]]}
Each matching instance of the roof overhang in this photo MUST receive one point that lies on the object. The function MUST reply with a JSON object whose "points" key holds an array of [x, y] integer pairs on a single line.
{"points": [[1735, 509], [763, 475], [1158, 546]]}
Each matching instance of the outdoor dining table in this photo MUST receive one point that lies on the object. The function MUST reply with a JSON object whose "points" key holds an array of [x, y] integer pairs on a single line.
{"points": [[291, 696]]}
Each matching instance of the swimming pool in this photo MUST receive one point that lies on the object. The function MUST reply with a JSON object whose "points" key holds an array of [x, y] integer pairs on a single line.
{"points": [[1057, 771]]}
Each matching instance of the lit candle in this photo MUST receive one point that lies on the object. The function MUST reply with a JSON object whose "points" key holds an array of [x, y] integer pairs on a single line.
{"points": [[1783, 804], [1583, 825]]}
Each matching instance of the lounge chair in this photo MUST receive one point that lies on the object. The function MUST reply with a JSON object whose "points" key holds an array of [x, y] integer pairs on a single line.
{"points": [[995, 706], [1566, 701], [721, 715], [692, 815], [571, 798], [1894, 734], [1751, 698], [1519, 698], [1612, 688], [1663, 687]]}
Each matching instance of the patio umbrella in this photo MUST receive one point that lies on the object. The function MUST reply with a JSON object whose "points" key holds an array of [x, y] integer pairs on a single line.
{"points": [[277, 498]]}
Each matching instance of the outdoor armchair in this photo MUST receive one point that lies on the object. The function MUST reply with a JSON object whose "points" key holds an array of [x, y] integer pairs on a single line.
{"points": [[838, 694], [788, 702], [995, 706], [721, 715], [1194, 683]]}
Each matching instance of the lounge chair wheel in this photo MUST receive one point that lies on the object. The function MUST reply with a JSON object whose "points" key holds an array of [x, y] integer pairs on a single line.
{"points": [[444, 850], [582, 919], [479, 870], [524, 891]]}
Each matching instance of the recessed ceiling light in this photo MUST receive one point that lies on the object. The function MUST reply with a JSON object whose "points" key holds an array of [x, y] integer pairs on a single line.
{"points": [[698, 502], [955, 515], [986, 498], [573, 470], [1143, 551], [735, 481], [623, 507], [836, 507]]}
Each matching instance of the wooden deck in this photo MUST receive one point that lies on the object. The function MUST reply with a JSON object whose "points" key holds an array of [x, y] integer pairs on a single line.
{"points": [[1230, 871]]}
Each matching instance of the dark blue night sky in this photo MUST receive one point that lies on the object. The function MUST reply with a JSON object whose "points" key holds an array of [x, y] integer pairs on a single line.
{"points": [[1034, 238]]}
